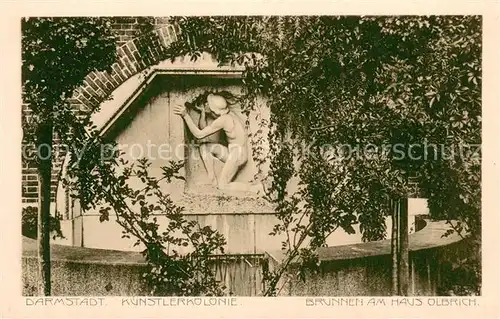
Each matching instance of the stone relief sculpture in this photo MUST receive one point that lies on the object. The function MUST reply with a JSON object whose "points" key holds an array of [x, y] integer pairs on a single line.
{"points": [[217, 120]]}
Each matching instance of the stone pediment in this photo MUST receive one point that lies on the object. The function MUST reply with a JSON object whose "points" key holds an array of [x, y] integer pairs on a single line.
{"points": [[130, 90]]}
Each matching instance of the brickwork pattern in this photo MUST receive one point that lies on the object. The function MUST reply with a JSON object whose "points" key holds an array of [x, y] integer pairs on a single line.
{"points": [[99, 85]]}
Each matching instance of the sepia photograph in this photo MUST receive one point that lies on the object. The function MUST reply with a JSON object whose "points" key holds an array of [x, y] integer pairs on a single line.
{"points": [[326, 156]]}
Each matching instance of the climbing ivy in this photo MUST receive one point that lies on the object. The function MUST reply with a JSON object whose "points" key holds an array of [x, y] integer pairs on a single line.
{"points": [[57, 55], [340, 90], [359, 93], [176, 249]]}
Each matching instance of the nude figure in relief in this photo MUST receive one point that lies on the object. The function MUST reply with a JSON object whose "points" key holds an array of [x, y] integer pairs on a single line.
{"points": [[234, 155]]}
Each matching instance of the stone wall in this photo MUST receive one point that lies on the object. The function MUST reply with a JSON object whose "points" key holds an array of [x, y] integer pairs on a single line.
{"points": [[364, 277], [369, 276], [85, 279], [365, 269], [80, 271]]}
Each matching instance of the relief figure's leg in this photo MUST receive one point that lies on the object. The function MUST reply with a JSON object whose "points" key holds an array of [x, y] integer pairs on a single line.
{"points": [[208, 151], [229, 170], [236, 158]]}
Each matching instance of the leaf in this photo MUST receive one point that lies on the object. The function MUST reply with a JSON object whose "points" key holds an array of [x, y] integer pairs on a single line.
{"points": [[432, 102], [104, 214], [349, 229]]}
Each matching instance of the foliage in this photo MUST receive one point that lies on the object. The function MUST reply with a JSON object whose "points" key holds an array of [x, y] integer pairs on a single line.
{"points": [[201, 98], [57, 55], [140, 210], [107, 186], [348, 98], [102, 179], [369, 97], [30, 224], [147, 40], [461, 269]]}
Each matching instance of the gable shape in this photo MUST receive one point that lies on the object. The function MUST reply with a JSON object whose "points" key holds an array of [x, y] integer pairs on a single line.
{"points": [[129, 91]]}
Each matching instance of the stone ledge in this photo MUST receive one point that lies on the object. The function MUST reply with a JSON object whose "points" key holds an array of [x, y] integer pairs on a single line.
{"points": [[78, 271], [84, 255], [220, 203], [431, 236]]}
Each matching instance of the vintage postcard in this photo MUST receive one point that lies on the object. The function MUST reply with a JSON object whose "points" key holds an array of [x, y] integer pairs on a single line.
{"points": [[285, 159]]}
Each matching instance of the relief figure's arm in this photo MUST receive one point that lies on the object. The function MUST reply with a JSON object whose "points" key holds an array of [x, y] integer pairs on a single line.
{"points": [[215, 126], [202, 123]]}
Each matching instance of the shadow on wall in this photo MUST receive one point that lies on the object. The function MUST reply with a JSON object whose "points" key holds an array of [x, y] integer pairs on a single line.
{"points": [[370, 276], [365, 269]]}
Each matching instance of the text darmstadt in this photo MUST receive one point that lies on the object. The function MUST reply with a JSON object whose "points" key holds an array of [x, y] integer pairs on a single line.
{"points": [[65, 301]]}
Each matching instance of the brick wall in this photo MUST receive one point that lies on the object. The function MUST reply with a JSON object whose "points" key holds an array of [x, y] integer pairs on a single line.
{"points": [[126, 27], [98, 85]]}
